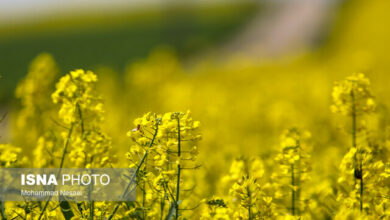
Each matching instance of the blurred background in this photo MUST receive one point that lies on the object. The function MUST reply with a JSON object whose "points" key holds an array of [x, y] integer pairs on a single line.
{"points": [[88, 34], [246, 69], [114, 33]]}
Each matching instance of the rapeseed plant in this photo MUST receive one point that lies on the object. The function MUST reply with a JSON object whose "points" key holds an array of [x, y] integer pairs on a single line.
{"points": [[249, 190], [34, 93], [353, 98], [164, 149], [81, 112], [293, 170]]}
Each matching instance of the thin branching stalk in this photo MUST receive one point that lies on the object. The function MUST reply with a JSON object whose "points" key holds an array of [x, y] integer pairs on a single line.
{"points": [[358, 172], [361, 187], [166, 194], [162, 206], [91, 203], [354, 145], [64, 205], [178, 169], [298, 179], [61, 165], [81, 118], [250, 203], [144, 191], [136, 172], [91, 210], [292, 190]]}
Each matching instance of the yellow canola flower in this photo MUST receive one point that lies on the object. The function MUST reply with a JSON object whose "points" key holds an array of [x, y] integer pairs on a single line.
{"points": [[353, 96], [76, 92], [10, 156], [164, 150]]}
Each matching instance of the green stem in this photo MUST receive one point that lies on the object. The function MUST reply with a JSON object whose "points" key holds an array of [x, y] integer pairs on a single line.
{"points": [[81, 118], [354, 145], [91, 210], [61, 165], [91, 203], [250, 203], [178, 169], [292, 190], [361, 187], [162, 205], [298, 179], [144, 193], [135, 173]]}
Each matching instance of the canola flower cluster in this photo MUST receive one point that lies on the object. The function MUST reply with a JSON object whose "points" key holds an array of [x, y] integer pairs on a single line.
{"points": [[363, 177], [165, 151], [82, 111]]}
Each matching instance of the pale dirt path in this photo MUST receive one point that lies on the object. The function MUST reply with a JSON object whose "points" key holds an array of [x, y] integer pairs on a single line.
{"points": [[283, 27]]}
